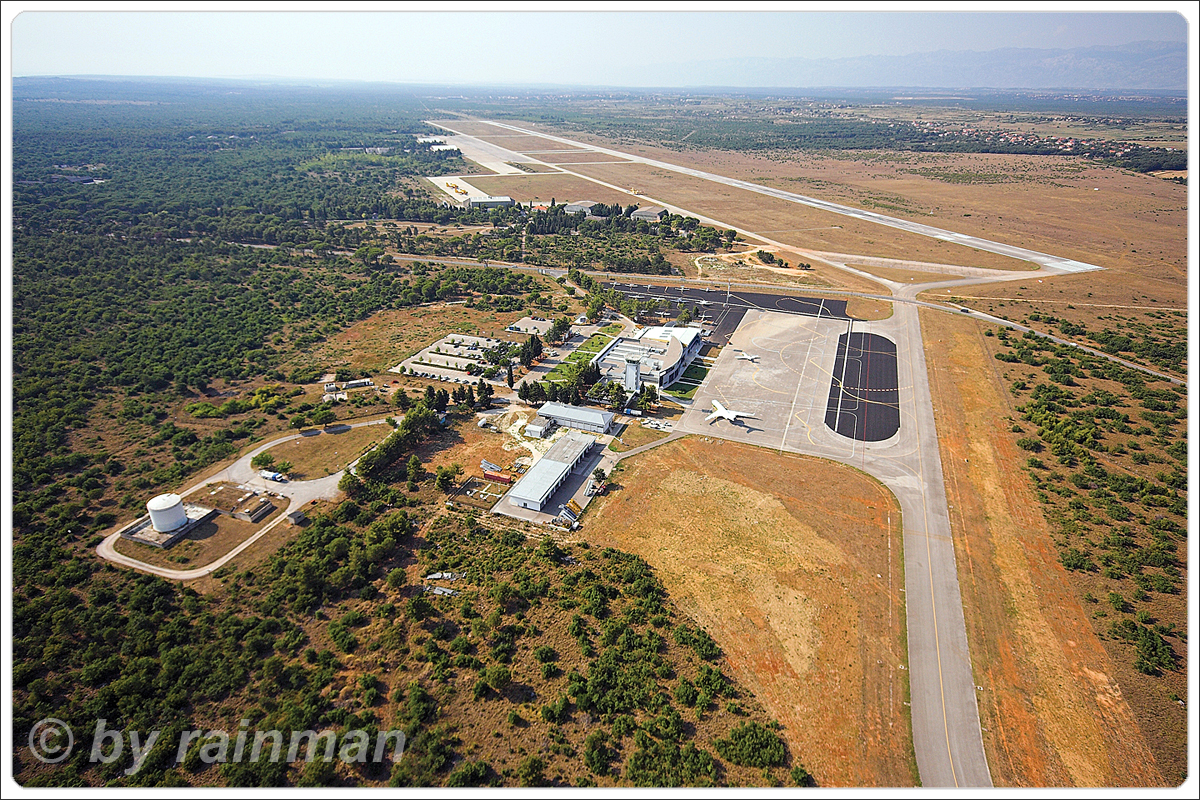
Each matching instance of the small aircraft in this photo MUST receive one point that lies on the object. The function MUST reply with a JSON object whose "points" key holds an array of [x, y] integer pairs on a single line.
{"points": [[747, 357], [721, 412]]}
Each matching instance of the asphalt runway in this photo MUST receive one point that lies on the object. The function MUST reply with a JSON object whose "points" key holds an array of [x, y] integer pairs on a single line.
{"points": [[864, 394]]}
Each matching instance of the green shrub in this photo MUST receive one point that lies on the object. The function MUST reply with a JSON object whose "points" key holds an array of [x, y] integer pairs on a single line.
{"points": [[752, 745]]}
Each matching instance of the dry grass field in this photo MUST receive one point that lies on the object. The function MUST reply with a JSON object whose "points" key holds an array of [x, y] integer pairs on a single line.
{"points": [[1113, 299], [332, 451], [794, 566], [1058, 708]]}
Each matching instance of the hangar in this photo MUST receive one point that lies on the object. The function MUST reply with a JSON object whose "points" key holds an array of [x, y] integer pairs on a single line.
{"points": [[537, 485], [580, 417]]}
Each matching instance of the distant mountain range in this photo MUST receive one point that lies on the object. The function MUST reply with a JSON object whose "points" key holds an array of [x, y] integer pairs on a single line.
{"points": [[1140, 65]]}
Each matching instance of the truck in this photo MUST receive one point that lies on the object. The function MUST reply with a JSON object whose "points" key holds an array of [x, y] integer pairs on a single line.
{"points": [[272, 476]]}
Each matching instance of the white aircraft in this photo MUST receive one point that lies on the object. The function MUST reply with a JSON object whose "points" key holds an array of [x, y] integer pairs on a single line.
{"points": [[747, 357], [721, 412]]}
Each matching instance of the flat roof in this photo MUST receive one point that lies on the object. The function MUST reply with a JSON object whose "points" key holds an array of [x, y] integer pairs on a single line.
{"points": [[665, 333], [540, 480], [589, 416]]}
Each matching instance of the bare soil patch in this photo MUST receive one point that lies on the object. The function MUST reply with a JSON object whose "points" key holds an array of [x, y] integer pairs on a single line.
{"points": [[804, 597], [1053, 709], [864, 308]]}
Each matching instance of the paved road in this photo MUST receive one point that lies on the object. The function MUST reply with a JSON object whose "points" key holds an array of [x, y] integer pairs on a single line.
{"points": [[299, 493]]}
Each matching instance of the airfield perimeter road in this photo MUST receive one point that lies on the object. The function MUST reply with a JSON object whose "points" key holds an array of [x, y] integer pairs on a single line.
{"points": [[240, 472]]}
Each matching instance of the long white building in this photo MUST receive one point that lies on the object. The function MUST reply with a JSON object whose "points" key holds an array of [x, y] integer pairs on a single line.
{"points": [[537, 485]]}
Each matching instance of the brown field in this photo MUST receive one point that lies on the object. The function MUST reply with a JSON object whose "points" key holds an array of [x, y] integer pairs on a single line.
{"points": [[791, 223], [1056, 705], [1046, 203], [466, 444], [331, 451], [561, 188], [204, 544], [803, 597]]}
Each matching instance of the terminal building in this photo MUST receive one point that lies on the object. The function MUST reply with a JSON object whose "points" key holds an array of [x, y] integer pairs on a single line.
{"points": [[658, 355], [543, 479], [579, 417]]}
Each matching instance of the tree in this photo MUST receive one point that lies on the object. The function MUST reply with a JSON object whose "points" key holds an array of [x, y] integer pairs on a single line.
{"points": [[510, 376], [323, 415], [284, 466], [402, 400], [415, 471], [262, 461]]}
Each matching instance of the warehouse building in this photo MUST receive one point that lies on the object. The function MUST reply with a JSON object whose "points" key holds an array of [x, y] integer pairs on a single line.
{"points": [[536, 486], [579, 417], [501, 201]]}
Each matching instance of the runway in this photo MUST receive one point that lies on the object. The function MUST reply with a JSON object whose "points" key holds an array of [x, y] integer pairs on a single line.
{"points": [[1023, 254]]}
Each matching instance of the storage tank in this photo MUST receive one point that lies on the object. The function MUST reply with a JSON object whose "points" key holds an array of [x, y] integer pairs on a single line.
{"points": [[166, 512]]}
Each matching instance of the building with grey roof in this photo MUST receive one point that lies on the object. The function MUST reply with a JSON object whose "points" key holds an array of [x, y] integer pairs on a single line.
{"points": [[649, 213], [580, 417], [537, 485]]}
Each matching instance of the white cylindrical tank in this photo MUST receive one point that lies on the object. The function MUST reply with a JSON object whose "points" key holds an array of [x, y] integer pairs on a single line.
{"points": [[166, 512]]}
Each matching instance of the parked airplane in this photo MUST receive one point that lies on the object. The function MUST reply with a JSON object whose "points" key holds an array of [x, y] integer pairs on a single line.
{"points": [[747, 357], [721, 412]]}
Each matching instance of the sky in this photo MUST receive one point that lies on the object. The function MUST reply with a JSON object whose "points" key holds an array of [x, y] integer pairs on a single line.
{"points": [[525, 43]]}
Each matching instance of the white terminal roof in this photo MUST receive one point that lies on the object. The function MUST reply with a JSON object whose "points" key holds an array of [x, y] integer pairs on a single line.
{"points": [[542, 477], [580, 414], [661, 332]]}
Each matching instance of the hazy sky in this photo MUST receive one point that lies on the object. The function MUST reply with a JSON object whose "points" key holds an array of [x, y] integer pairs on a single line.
{"points": [[618, 45]]}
